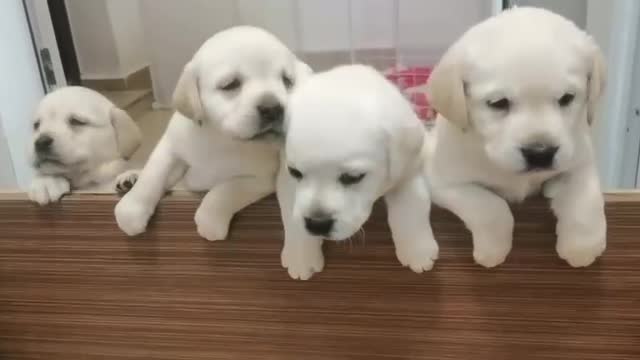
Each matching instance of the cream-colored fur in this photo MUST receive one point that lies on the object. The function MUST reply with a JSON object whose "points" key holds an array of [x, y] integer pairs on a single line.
{"points": [[523, 82], [221, 140], [351, 138], [81, 141]]}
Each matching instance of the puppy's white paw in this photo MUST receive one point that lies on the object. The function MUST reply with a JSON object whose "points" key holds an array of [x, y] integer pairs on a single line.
{"points": [[491, 249], [132, 216], [418, 255], [211, 226], [302, 261], [580, 250], [126, 180], [47, 189]]}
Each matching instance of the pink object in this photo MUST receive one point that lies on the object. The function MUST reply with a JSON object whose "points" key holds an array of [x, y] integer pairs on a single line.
{"points": [[412, 82]]}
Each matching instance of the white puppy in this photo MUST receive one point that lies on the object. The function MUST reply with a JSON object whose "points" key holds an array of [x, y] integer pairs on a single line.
{"points": [[80, 141], [230, 99], [517, 94], [351, 138]]}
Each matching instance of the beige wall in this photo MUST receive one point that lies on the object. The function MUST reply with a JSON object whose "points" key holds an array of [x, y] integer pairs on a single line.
{"points": [[108, 37]]}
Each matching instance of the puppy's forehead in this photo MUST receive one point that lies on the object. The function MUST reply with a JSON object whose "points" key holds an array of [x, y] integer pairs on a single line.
{"points": [[244, 47], [526, 50], [329, 137], [74, 101]]}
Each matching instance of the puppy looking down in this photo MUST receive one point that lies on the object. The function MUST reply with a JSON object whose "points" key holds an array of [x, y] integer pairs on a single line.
{"points": [[81, 141], [230, 102], [351, 138], [516, 96]]}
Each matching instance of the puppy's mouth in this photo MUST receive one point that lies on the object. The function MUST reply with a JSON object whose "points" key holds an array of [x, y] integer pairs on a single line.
{"points": [[269, 133], [49, 160]]}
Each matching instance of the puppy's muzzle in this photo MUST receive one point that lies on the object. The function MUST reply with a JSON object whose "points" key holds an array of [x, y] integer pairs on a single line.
{"points": [[319, 225], [43, 144], [539, 156]]}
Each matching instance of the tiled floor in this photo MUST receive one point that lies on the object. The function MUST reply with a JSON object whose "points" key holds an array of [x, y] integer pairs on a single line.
{"points": [[152, 124]]}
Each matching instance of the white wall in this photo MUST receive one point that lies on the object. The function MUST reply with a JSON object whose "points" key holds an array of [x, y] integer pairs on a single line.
{"points": [[20, 89], [576, 10], [173, 31], [107, 35], [93, 39], [127, 32], [7, 175]]}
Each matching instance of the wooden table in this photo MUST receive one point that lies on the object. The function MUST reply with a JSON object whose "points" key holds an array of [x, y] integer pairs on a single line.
{"points": [[73, 287]]}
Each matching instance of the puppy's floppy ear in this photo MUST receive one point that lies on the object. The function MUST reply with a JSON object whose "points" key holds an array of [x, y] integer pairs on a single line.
{"points": [[186, 97], [446, 90], [303, 71], [404, 147], [128, 136], [596, 80]]}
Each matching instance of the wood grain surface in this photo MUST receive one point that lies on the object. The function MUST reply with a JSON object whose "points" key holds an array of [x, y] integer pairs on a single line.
{"points": [[73, 287]]}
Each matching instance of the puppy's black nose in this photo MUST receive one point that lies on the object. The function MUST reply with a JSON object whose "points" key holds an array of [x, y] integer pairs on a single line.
{"points": [[270, 113], [43, 143], [319, 226], [539, 155]]}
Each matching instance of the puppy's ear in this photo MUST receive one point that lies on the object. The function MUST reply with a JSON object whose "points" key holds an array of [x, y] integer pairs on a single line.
{"points": [[128, 136], [404, 147], [446, 90], [596, 81], [186, 97], [303, 71]]}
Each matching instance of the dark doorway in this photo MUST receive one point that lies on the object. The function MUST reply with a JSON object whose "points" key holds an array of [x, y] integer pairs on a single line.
{"points": [[64, 39]]}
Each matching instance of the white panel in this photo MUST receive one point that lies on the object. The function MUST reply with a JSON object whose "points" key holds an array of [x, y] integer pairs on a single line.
{"points": [[276, 16], [21, 86], [174, 31], [325, 25]]}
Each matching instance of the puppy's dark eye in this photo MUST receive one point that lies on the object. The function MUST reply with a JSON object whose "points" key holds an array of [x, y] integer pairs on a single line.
{"points": [[499, 105], [36, 125], [350, 179], [76, 122], [287, 81], [566, 100], [295, 173], [232, 85]]}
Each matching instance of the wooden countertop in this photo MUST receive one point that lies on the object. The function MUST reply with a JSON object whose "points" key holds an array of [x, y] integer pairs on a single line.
{"points": [[73, 287]]}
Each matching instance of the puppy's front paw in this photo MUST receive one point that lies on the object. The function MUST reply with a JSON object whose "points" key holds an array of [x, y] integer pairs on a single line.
{"points": [[125, 181], [580, 248], [46, 190], [211, 226], [302, 260], [418, 255], [132, 216], [491, 249]]}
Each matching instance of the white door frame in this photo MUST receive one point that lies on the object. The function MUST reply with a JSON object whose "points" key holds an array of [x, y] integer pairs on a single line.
{"points": [[615, 25], [21, 88], [44, 39]]}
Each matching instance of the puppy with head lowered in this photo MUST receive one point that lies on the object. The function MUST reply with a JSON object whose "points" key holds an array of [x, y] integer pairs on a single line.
{"points": [[516, 96], [223, 139], [351, 138], [81, 141]]}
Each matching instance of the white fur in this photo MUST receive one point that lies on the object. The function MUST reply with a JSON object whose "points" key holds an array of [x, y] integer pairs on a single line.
{"points": [[351, 120], [531, 57], [215, 140], [92, 139]]}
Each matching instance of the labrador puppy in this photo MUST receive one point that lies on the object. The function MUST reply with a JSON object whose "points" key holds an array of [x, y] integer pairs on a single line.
{"points": [[516, 96], [351, 138], [81, 141], [223, 139]]}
